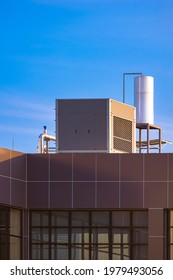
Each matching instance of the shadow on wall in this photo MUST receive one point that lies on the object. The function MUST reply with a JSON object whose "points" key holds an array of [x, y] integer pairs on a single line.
{"points": [[12, 178]]}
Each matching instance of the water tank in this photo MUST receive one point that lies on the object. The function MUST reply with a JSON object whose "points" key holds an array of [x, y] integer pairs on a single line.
{"points": [[144, 99]]}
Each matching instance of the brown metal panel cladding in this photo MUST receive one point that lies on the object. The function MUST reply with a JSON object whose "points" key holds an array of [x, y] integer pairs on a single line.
{"points": [[131, 195], [14, 162], [131, 167], [61, 195], [37, 167], [155, 166], [108, 167], [18, 193], [156, 248], [18, 165], [170, 167], [4, 162], [84, 167], [61, 167], [4, 190], [108, 195], [81, 124], [37, 195], [170, 195], [156, 224], [155, 195], [84, 195]]}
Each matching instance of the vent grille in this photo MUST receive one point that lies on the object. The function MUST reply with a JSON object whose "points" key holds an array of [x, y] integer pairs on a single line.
{"points": [[122, 134]]}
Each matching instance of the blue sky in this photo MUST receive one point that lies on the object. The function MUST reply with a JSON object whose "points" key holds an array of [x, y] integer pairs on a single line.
{"points": [[79, 49]]}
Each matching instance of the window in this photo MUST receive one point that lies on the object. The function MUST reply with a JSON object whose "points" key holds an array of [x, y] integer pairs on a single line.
{"points": [[96, 235], [170, 235], [10, 233]]}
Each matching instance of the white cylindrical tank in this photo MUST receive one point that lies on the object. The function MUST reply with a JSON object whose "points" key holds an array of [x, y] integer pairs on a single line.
{"points": [[144, 99]]}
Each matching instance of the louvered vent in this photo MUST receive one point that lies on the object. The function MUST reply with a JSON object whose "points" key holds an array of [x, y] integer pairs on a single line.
{"points": [[122, 134]]}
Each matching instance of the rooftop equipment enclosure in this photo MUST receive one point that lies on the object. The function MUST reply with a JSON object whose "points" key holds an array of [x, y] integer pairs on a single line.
{"points": [[144, 99], [95, 125]]}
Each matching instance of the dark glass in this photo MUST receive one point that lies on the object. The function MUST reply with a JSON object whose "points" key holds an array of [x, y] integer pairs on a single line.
{"points": [[140, 235], [121, 252], [100, 218], [140, 219], [80, 252], [80, 219], [140, 252], [10, 233], [59, 235], [59, 252], [40, 218], [121, 218], [100, 252], [79, 235], [82, 235], [59, 218]]}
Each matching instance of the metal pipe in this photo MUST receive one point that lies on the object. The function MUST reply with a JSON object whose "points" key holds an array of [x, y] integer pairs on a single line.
{"points": [[124, 75], [44, 137]]}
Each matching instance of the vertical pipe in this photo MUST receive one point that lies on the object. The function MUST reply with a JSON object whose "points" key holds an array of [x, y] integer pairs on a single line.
{"points": [[160, 143], [124, 88], [140, 139], [148, 138]]}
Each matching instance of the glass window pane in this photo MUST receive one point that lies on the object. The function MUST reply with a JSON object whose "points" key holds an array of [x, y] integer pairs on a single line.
{"points": [[59, 235], [120, 252], [59, 218], [4, 247], [140, 218], [140, 252], [80, 235], [100, 218], [72, 236], [40, 235], [121, 235], [44, 252], [100, 235], [40, 218], [171, 218], [140, 235], [59, 252], [171, 235], [100, 252], [80, 252], [15, 222], [80, 218], [3, 219], [15, 248], [40, 252], [171, 252], [121, 218], [36, 252]]}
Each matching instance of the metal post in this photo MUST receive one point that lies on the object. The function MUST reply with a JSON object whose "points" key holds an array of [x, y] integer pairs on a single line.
{"points": [[148, 138], [160, 143], [140, 139]]}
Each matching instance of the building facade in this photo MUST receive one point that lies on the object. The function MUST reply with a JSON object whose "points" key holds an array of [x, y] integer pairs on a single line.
{"points": [[86, 206]]}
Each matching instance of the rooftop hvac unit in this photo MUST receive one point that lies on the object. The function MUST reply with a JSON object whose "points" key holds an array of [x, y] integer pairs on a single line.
{"points": [[95, 125]]}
